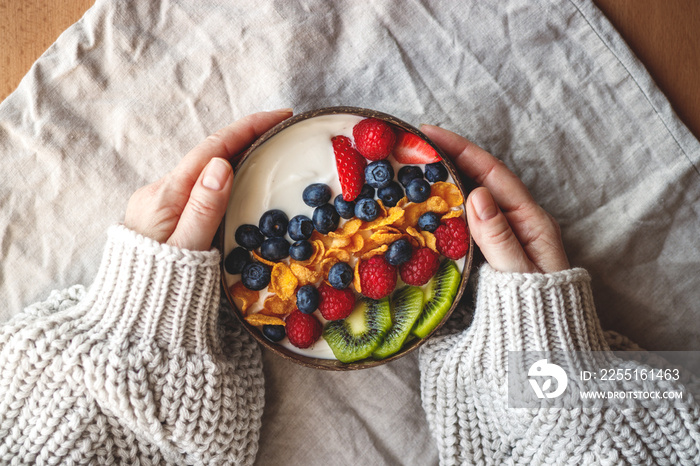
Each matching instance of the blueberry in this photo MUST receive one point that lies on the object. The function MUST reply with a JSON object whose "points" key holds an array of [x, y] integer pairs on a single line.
{"points": [[255, 276], [418, 190], [249, 236], [435, 172], [273, 223], [274, 249], [367, 191], [274, 332], [366, 209], [307, 299], [301, 250], [429, 221], [316, 194], [236, 260], [408, 173], [300, 227], [345, 209], [378, 174], [340, 275], [390, 194], [399, 252], [326, 218]]}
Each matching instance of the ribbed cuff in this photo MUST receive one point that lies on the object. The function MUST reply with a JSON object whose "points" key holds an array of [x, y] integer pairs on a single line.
{"points": [[151, 293]]}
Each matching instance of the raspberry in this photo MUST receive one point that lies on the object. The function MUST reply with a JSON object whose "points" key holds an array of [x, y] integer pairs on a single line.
{"points": [[377, 277], [421, 267], [452, 238], [303, 330], [350, 165], [374, 138], [335, 304]]}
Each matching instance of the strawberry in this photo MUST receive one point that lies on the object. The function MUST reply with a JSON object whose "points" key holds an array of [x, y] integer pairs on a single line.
{"points": [[374, 138], [411, 149], [350, 165]]}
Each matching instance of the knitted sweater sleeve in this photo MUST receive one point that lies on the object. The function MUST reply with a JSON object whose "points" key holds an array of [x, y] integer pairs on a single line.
{"points": [[137, 369], [464, 385]]}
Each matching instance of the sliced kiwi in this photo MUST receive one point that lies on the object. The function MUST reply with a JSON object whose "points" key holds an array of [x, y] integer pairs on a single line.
{"points": [[406, 306], [440, 292], [359, 334]]}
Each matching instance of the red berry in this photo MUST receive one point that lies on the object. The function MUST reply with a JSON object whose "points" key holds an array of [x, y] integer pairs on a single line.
{"points": [[452, 238], [335, 304], [377, 277], [410, 149], [350, 165], [421, 267], [374, 138], [303, 330]]}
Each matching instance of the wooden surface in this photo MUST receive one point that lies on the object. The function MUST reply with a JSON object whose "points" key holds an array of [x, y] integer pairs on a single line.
{"points": [[665, 35]]}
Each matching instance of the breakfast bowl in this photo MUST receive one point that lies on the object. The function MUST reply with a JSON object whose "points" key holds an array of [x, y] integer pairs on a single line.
{"points": [[345, 242]]}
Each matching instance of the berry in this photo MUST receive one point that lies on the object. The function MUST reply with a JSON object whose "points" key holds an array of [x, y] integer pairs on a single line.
{"points": [[301, 250], [452, 238], [307, 299], [377, 277], [435, 172], [366, 209], [345, 209], [274, 249], [429, 221], [303, 330], [390, 194], [374, 138], [274, 332], [418, 190], [325, 219], [236, 260], [411, 149], [300, 227], [408, 173], [273, 223], [255, 276], [335, 304], [316, 194], [420, 268], [399, 252], [350, 165], [367, 191], [340, 276], [249, 236], [379, 174]]}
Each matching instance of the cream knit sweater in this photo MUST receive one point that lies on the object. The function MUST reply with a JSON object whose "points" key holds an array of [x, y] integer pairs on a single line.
{"points": [[141, 369]]}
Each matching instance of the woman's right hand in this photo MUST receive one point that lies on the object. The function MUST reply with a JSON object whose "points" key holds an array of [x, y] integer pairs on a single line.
{"points": [[513, 232]]}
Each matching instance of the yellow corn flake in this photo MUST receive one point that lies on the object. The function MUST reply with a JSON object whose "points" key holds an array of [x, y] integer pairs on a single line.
{"points": [[452, 214], [326, 265], [402, 202], [304, 274], [259, 320], [276, 306], [373, 252], [283, 282], [339, 242], [416, 235], [394, 214], [259, 258], [340, 254], [437, 204], [243, 297], [356, 279], [348, 229], [449, 192], [357, 242], [430, 240], [382, 209], [319, 250]]}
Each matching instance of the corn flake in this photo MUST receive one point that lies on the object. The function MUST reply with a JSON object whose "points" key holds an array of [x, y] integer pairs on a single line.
{"points": [[416, 235], [356, 279], [259, 258], [449, 192], [452, 214], [348, 229], [304, 274], [276, 306], [283, 282], [430, 241], [373, 252], [259, 319], [243, 296]]}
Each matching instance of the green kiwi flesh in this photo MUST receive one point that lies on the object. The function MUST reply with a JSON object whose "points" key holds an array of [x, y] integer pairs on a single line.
{"points": [[440, 292], [406, 306], [358, 335]]}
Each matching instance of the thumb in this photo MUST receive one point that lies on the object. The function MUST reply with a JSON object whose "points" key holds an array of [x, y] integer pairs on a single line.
{"points": [[205, 207], [493, 234]]}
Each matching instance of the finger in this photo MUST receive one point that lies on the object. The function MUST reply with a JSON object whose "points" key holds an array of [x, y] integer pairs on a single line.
{"points": [[493, 234], [226, 143], [205, 207]]}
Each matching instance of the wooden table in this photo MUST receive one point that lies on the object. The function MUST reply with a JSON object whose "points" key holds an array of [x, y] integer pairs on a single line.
{"points": [[665, 35]]}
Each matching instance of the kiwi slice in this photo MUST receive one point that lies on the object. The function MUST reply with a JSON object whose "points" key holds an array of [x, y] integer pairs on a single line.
{"points": [[406, 306], [359, 334], [440, 292]]}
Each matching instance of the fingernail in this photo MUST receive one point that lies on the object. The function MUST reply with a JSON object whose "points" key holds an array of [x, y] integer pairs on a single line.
{"points": [[283, 110], [484, 204], [215, 174]]}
